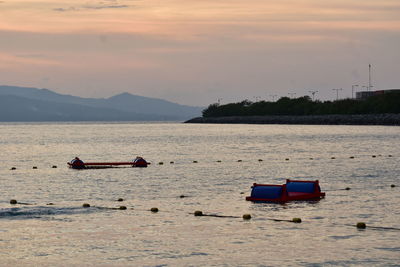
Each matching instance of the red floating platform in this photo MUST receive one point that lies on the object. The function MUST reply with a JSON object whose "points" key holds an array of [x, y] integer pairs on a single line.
{"points": [[79, 164], [291, 191]]}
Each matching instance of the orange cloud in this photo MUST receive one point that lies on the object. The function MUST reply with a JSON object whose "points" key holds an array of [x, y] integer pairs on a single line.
{"points": [[188, 18]]}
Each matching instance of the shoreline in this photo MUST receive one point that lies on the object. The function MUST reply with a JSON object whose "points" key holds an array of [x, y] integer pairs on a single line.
{"points": [[358, 119]]}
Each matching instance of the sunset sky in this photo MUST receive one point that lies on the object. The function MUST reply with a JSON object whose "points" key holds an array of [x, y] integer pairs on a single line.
{"points": [[197, 51]]}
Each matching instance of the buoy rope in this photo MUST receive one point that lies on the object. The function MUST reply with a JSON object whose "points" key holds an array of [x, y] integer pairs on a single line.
{"points": [[374, 227]]}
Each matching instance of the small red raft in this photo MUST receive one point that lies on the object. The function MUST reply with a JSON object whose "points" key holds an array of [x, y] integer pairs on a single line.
{"points": [[77, 163], [291, 191]]}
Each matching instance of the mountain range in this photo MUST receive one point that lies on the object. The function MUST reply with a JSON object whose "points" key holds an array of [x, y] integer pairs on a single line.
{"points": [[33, 104]]}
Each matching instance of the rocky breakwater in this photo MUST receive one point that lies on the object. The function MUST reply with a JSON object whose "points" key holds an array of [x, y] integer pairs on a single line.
{"points": [[359, 119]]}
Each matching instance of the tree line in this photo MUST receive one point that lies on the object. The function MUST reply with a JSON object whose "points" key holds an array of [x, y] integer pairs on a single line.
{"points": [[377, 104]]}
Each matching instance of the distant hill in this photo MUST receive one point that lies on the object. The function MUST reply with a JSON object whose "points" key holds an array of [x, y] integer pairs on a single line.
{"points": [[32, 104]]}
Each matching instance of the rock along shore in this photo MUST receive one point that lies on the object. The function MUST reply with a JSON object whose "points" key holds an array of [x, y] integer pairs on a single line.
{"points": [[361, 119]]}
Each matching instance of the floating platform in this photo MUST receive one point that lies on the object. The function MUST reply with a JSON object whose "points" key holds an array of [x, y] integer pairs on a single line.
{"points": [[79, 164], [293, 190]]}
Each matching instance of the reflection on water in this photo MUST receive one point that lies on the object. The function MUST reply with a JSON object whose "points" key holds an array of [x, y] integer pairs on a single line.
{"points": [[364, 159]]}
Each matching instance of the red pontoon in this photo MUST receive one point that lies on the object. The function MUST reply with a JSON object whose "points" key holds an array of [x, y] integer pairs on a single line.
{"points": [[291, 191], [79, 164]]}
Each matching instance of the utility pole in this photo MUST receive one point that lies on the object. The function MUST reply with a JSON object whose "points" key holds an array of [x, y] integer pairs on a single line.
{"points": [[352, 90], [313, 93], [369, 77], [291, 94], [273, 97], [337, 92]]}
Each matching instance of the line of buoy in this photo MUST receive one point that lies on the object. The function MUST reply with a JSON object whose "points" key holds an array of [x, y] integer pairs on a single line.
{"points": [[244, 217], [219, 161], [358, 225]]}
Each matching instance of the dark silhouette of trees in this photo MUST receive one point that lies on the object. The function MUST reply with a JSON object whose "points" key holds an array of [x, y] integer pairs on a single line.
{"points": [[377, 104]]}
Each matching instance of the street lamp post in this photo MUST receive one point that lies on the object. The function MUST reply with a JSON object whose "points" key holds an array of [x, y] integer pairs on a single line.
{"points": [[352, 90], [337, 92]]}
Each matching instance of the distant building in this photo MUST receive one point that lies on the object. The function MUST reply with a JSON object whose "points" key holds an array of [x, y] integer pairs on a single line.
{"points": [[365, 94]]}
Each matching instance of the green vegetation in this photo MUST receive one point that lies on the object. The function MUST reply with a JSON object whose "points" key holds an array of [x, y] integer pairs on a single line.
{"points": [[379, 104]]}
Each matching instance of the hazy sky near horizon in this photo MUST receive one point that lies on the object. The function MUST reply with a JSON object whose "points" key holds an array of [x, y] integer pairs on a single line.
{"points": [[197, 51]]}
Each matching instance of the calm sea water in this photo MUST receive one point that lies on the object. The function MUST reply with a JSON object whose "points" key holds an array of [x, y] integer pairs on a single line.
{"points": [[66, 234]]}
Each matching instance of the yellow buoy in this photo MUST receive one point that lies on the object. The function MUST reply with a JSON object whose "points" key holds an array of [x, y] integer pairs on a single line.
{"points": [[246, 216], [352, 157], [198, 213], [194, 161], [34, 167], [260, 160], [160, 163], [361, 225], [86, 205], [296, 220], [171, 162], [219, 161], [347, 188], [13, 168], [333, 158], [122, 207], [120, 199], [13, 201], [392, 185], [373, 156], [239, 160], [287, 159], [154, 210], [54, 167]]}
